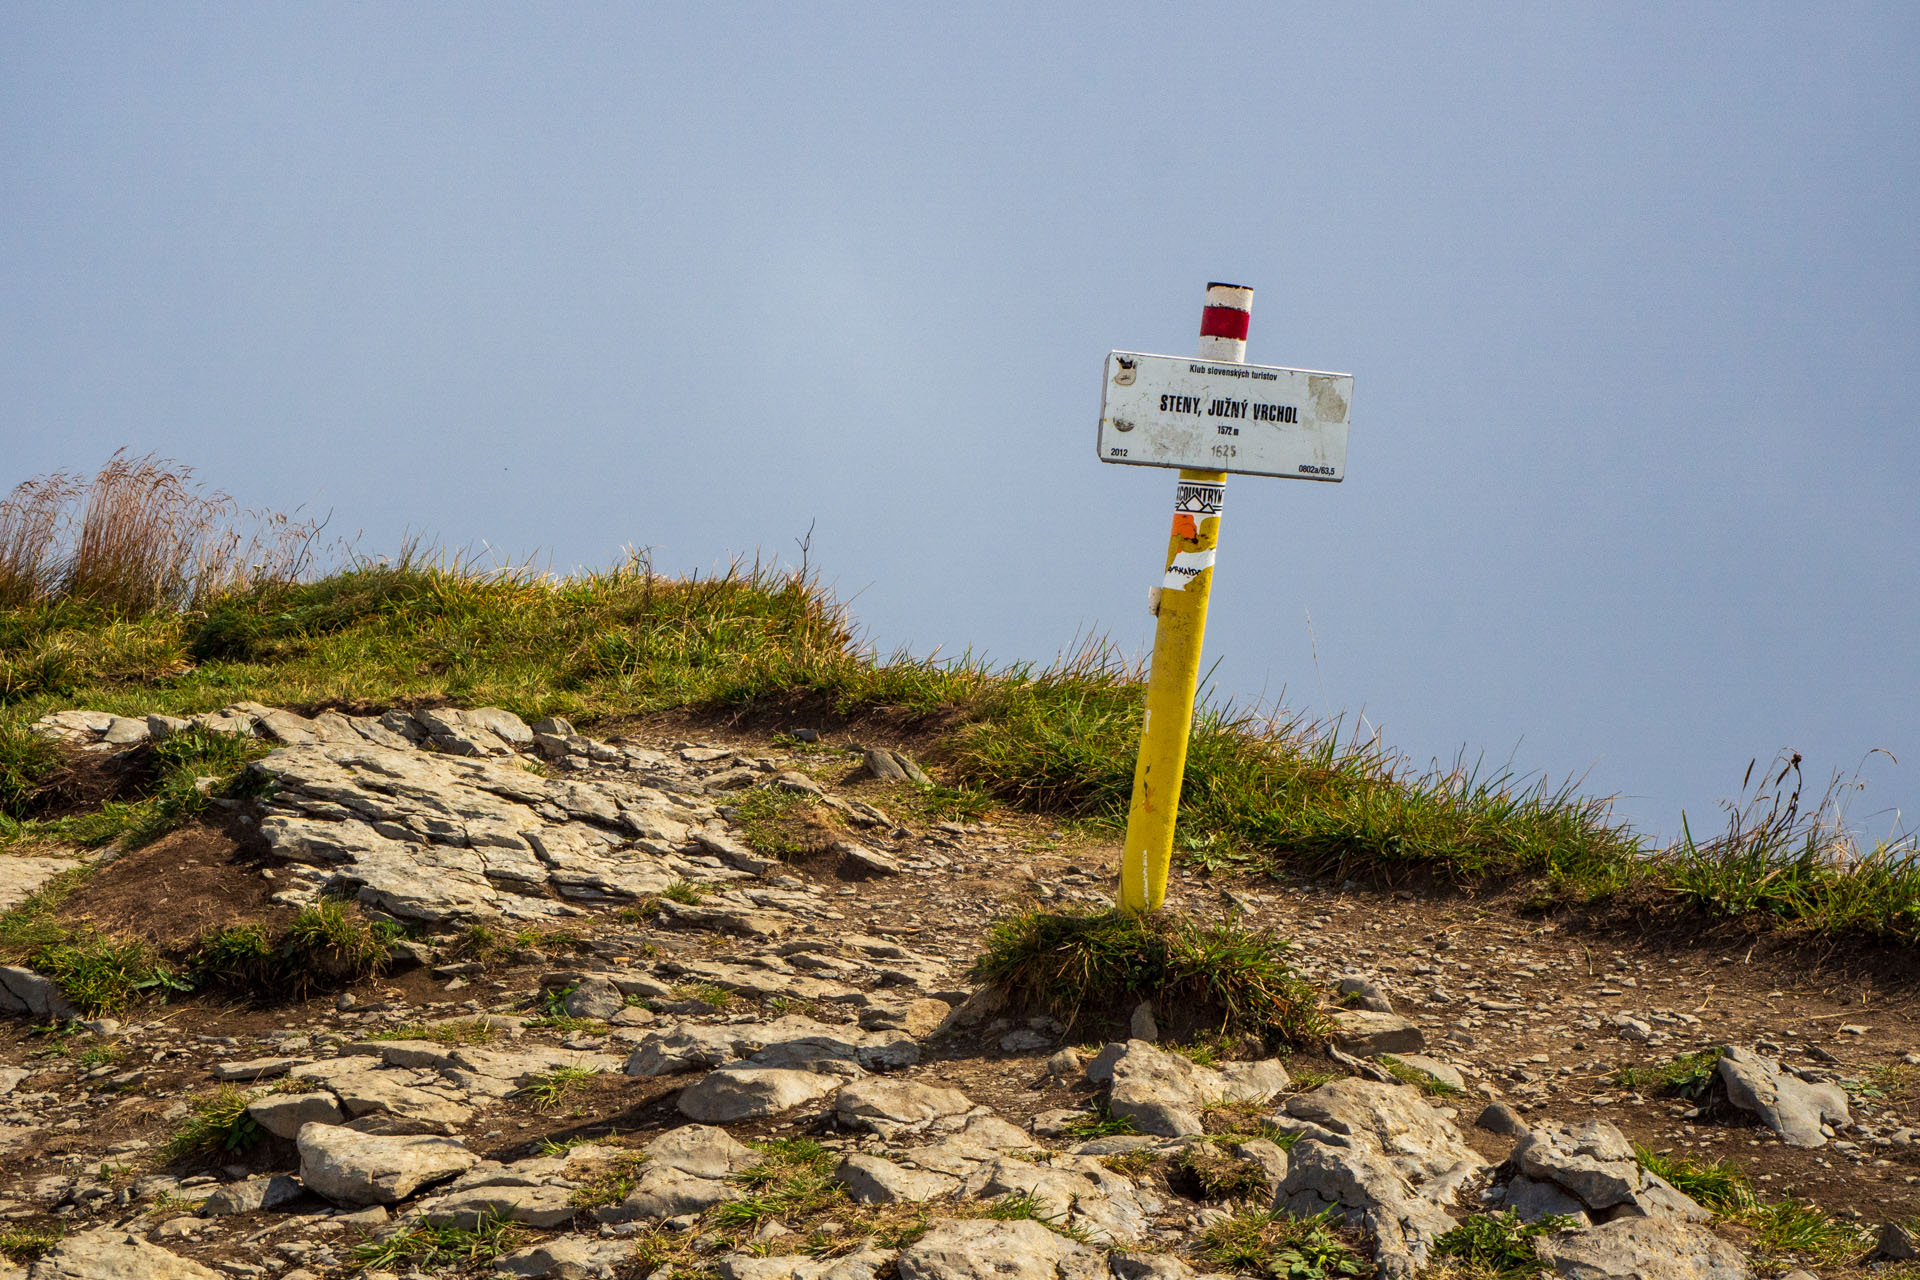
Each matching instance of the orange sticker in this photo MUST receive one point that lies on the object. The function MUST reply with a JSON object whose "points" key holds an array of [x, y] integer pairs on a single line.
{"points": [[1183, 526]]}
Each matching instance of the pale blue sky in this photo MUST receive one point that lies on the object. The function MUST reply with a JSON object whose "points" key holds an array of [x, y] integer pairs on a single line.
{"points": [[1630, 293]]}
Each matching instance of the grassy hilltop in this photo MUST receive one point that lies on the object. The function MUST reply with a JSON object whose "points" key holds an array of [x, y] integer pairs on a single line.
{"points": [[134, 594]]}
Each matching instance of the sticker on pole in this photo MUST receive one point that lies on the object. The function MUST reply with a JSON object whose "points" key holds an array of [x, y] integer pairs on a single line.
{"points": [[1176, 411]]}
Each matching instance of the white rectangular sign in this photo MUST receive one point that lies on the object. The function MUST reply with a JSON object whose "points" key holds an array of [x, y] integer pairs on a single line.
{"points": [[1177, 411]]}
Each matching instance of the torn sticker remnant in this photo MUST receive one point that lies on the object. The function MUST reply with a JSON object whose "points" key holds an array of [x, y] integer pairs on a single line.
{"points": [[1185, 568]]}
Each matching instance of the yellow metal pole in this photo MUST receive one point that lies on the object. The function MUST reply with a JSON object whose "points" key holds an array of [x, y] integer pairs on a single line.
{"points": [[1157, 775], [1181, 607]]}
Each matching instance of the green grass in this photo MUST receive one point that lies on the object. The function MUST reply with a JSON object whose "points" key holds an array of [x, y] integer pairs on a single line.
{"points": [[1222, 978], [550, 1089], [1798, 1230], [23, 1244], [610, 1185], [1211, 1174], [329, 944], [944, 804], [1270, 1243], [1717, 1184], [1099, 1123], [1027, 1206], [684, 892], [97, 974], [1688, 1076], [793, 1180], [1787, 1229], [215, 1124], [1425, 1081], [1262, 795], [27, 761], [783, 824], [423, 1246], [1131, 1164], [174, 797], [1498, 1246], [474, 1031]]}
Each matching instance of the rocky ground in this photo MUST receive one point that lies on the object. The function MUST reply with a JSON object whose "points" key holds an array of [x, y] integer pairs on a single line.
{"points": [[623, 1040]]}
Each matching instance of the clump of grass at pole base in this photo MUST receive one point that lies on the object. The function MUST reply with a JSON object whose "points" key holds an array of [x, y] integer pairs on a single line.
{"points": [[1092, 969], [126, 594]]}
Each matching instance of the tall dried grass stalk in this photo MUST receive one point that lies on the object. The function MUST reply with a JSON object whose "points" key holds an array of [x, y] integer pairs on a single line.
{"points": [[145, 540], [30, 519]]}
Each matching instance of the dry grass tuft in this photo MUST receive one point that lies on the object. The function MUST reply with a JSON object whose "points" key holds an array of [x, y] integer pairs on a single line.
{"points": [[140, 538]]}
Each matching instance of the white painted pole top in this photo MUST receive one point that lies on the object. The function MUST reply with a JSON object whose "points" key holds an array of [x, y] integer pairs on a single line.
{"points": [[1223, 324]]}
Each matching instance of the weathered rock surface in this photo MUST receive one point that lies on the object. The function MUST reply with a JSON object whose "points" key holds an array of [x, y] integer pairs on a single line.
{"points": [[1165, 1093], [1385, 1160], [874, 1180], [1643, 1249], [1594, 1163], [986, 1250], [565, 1258], [250, 1195], [496, 839], [24, 993], [888, 1107], [861, 1264], [746, 1093], [1365, 1031], [354, 1168], [113, 1254], [1795, 1109]]}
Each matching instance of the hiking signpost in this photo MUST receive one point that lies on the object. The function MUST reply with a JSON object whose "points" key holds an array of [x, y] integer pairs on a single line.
{"points": [[1209, 416]]}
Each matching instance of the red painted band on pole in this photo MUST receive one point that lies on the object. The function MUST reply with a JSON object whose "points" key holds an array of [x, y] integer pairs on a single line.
{"points": [[1224, 322]]}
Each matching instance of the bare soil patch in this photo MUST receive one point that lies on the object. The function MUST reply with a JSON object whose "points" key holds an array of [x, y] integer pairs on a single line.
{"points": [[182, 886]]}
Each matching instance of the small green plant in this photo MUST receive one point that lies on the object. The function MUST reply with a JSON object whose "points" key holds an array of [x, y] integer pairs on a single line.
{"points": [[1498, 1246], [565, 1024], [169, 1205], [1425, 1081], [27, 761], [102, 975], [784, 824], [1307, 1079], [949, 804], [1017, 1206], [1272, 1243], [23, 1244], [1717, 1185], [792, 1179], [423, 1246], [340, 942], [1206, 1172], [1690, 1075], [609, 1185], [473, 1031], [98, 1055], [214, 1125], [684, 892], [549, 1089], [326, 945], [1796, 1228], [1222, 977], [706, 993], [1098, 1123], [1130, 1164]]}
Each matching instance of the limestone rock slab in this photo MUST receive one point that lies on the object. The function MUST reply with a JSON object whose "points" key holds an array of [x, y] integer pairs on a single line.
{"points": [[981, 1249], [1643, 1249], [113, 1254], [361, 1168], [1791, 1107]]}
